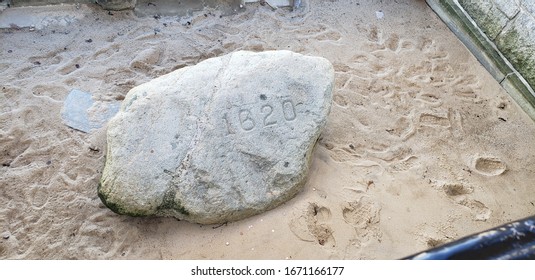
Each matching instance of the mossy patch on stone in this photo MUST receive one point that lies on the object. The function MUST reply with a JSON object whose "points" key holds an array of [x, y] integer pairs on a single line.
{"points": [[487, 16], [114, 206], [170, 202], [520, 51]]}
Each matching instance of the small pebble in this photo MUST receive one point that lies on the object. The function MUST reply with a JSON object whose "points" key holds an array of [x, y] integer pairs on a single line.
{"points": [[227, 243], [5, 235], [379, 14], [272, 230]]}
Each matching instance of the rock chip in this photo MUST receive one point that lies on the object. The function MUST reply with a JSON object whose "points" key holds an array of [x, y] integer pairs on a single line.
{"points": [[223, 140], [82, 113]]}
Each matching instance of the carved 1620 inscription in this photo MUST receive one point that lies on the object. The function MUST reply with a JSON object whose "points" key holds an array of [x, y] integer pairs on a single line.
{"points": [[263, 116]]}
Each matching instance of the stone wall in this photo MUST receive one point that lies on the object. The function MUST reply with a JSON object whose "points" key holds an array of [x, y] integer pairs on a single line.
{"points": [[510, 24], [501, 35]]}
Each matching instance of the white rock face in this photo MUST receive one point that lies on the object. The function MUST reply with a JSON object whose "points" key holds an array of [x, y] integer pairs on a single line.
{"points": [[219, 141]]}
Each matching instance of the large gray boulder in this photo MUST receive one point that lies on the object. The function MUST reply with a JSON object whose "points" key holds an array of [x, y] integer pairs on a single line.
{"points": [[219, 141]]}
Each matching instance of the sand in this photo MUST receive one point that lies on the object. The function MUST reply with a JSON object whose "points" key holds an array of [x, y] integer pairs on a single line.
{"points": [[422, 146]]}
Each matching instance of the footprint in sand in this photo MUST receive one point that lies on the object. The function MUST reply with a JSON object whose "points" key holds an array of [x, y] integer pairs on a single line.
{"points": [[15, 143], [459, 192], [28, 71], [147, 59], [345, 153], [71, 66], [482, 212], [435, 242], [392, 42], [403, 128], [57, 93], [405, 164], [455, 190], [488, 166], [38, 63], [312, 226], [362, 213], [103, 235], [318, 32], [434, 119], [465, 87], [107, 52], [121, 79], [430, 99], [39, 196], [340, 99]]}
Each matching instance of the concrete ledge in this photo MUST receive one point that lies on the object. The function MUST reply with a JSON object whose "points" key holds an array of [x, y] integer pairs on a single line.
{"points": [[25, 3], [486, 52], [42, 16]]}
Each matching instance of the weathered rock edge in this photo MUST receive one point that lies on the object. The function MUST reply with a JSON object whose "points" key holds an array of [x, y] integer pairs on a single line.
{"points": [[122, 182]]}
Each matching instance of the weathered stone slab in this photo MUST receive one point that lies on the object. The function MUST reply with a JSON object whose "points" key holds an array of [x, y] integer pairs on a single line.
{"points": [[219, 141], [509, 7], [82, 113]]}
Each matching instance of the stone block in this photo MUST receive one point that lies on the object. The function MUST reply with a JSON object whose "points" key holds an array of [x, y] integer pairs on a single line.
{"points": [[487, 16], [508, 7], [517, 43]]}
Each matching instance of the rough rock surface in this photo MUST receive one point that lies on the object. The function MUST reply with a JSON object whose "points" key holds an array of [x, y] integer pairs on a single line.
{"points": [[219, 141], [117, 5], [511, 26]]}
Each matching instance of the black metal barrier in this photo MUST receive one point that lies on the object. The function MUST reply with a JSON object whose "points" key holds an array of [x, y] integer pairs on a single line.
{"points": [[513, 241]]}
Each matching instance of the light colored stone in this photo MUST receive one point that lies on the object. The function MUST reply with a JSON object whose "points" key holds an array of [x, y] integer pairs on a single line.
{"points": [[487, 16], [82, 113], [528, 5], [517, 43], [219, 141], [508, 7]]}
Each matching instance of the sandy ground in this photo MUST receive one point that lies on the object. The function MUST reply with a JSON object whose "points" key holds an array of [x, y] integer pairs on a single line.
{"points": [[422, 146]]}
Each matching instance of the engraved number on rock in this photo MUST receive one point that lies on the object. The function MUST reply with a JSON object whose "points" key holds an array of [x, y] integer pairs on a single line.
{"points": [[288, 109], [227, 122], [268, 110], [268, 115], [246, 120]]}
